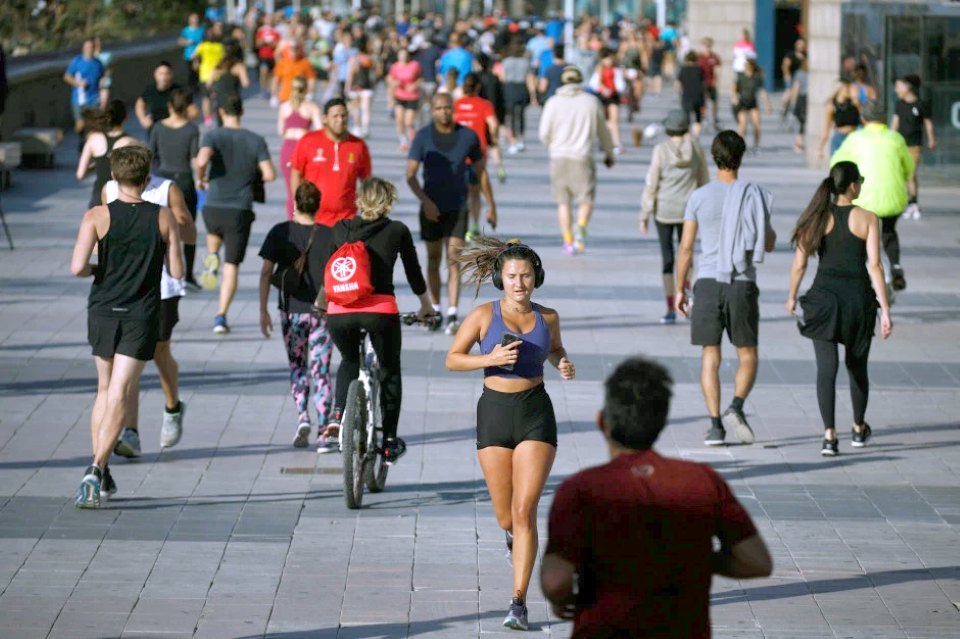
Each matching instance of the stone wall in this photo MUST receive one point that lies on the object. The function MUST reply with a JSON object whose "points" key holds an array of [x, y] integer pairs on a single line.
{"points": [[722, 21], [823, 65], [40, 98]]}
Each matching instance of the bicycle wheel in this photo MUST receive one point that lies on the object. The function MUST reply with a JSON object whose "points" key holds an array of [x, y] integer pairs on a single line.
{"points": [[375, 472], [353, 431]]}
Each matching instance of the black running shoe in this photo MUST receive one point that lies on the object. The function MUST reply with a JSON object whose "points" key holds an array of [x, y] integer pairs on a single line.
{"points": [[861, 438], [714, 436], [899, 281], [831, 448], [736, 420], [393, 449], [109, 487]]}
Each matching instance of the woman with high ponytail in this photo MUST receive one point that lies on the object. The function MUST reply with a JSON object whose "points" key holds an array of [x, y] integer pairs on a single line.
{"points": [[106, 134], [516, 426], [841, 305], [297, 116]]}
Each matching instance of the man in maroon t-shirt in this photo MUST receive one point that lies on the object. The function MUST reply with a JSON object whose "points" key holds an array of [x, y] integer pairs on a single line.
{"points": [[709, 62], [630, 544]]}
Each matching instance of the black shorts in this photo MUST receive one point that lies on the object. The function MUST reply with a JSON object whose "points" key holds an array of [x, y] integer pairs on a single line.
{"points": [[169, 316], [609, 100], [746, 105], [506, 419], [719, 307], [269, 63], [711, 93], [409, 105], [452, 224], [233, 227], [694, 111], [110, 336]]}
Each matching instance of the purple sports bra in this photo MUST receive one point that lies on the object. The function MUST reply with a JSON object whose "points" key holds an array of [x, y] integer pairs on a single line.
{"points": [[533, 352]]}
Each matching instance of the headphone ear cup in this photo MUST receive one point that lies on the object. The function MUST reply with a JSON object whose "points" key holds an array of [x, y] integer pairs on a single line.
{"points": [[497, 279], [541, 275]]}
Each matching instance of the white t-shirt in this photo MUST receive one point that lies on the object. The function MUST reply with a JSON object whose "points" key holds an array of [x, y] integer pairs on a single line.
{"points": [[743, 51], [157, 192]]}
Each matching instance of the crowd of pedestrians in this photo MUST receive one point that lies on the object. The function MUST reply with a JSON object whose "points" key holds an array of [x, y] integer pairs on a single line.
{"points": [[458, 94]]}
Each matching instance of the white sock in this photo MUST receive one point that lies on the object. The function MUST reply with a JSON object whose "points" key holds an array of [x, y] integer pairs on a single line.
{"points": [[436, 308], [452, 310]]}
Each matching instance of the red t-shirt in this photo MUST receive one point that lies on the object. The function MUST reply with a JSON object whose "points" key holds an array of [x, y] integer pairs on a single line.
{"points": [[335, 168], [640, 530], [406, 76], [269, 38], [472, 112], [608, 79], [708, 63]]}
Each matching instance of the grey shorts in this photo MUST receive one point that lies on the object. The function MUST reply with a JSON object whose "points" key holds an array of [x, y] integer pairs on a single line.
{"points": [[78, 109], [573, 179]]}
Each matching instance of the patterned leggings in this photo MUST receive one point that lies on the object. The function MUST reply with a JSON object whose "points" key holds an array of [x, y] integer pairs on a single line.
{"points": [[308, 343]]}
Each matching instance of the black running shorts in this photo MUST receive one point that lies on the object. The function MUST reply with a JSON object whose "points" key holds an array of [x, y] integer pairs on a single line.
{"points": [[233, 227], [506, 419], [134, 338], [719, 307], [452, 224], [169, 316]]}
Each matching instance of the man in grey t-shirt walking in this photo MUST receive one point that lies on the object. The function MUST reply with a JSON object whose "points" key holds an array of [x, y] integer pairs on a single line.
{"points": [[733, 219], [237, 159]]}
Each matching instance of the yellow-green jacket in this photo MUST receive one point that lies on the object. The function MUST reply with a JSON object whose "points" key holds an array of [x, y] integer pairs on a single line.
{"points": [[885, 164]]}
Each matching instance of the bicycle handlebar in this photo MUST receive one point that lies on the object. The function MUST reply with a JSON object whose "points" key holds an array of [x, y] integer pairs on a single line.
{"points": [[410, 319]]}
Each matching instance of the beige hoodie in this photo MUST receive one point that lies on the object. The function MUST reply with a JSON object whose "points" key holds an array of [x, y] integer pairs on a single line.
{"points": [[676, 171], [571, 122]]}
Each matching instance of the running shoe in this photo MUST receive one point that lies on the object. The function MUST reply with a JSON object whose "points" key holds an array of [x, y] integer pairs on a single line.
{"points": [[714, 436], [517, 616], [109, 487], [899, 281], [404, 147], [393, 450], [619, 150], [209, 279], [172, 428], [129, 444], [911, 211], [472, 233], [669, 318], [220, 326], [861, 437], [509, 547], [736, 420], [569, 249], [830, 448], [89, 495], [329, 441], [916, 213], [513, 149], [302, 438], [274, 102], [521, 146], [450, 328], [501, 174]]}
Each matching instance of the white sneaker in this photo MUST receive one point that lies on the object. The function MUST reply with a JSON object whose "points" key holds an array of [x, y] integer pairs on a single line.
{"points": [[172, 428], [521, 146], [512, 150], [129, 444], [912, 212], [274, 102], [302, 438]]}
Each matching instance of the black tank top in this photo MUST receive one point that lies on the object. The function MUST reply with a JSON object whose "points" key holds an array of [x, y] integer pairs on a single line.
{"points": [[225, 86], [127, 284], [102, 167], [842, 254], [845, 113]]}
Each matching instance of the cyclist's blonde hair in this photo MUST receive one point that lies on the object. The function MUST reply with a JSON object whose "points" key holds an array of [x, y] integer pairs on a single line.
{"points": [[375, 198]]}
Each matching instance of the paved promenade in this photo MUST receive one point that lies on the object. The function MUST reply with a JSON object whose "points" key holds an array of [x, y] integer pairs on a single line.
{"points": [[234, 533]]}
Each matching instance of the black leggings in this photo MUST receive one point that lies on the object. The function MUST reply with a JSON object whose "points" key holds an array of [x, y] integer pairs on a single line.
{"points": [[828, 361], [516, 97], [665, 231], [384, 331], [890, 239]]}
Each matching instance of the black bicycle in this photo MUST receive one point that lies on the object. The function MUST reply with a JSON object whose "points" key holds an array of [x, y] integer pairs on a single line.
{"points": [[361, 430]]}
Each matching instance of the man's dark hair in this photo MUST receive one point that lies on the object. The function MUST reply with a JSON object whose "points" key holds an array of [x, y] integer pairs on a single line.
{"points": [[164, 63], [333, 102], [307, 197], [232, 105], [913, 80], [180, 101], [636, 403], [558, 52], [728, 149], [471, 84]]}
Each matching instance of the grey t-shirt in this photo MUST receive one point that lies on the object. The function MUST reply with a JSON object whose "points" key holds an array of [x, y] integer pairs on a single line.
{"points": [[233, 169], [515, 70], [705, 207]]}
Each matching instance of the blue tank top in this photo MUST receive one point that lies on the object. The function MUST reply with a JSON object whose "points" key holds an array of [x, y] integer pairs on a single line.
{"points": [[533, 351]]}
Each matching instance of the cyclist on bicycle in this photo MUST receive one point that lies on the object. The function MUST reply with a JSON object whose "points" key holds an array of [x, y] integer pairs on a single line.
{"points": [[516, 425], [377, 314]]}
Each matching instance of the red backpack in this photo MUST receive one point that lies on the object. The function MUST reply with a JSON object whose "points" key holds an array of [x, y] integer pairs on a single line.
{"points": [[346, 277]]}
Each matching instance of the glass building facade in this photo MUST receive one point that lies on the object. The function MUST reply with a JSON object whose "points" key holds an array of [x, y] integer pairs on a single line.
{"points": [[923, 38]]}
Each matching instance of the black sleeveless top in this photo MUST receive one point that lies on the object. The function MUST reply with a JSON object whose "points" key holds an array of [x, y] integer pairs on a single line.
{"points": [[225, 86], [127, 283], [845, 113], [841, 305], [102, 167]]}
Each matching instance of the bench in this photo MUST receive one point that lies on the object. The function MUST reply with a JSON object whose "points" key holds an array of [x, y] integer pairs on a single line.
{"points": [[10, 157], [39, 146]]}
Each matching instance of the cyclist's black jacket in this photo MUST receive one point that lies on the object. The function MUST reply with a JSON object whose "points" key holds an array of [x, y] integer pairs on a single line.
{"points": [[385, 239]]}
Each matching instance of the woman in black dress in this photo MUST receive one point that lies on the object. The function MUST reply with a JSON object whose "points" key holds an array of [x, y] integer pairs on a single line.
{"points": [[841, 305]]}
